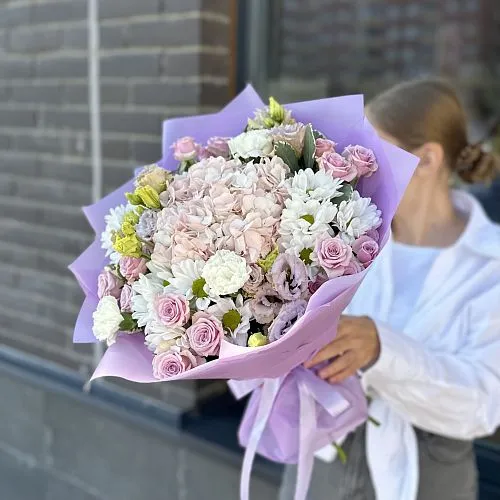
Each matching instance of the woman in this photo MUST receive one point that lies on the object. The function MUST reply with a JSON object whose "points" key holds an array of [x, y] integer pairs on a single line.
{"points": [[424, 327]]}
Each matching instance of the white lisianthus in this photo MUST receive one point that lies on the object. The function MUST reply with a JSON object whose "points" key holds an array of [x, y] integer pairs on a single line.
{"points": [[251, 144], [113, 220], [235, 317], [225, 273], [107, 319], [145, 289], [187, 279], [160, 338], [307, 184], [357, 216]]}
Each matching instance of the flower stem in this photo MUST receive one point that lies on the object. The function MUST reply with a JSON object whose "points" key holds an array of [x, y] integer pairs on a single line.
{"points": [[341, 453]]}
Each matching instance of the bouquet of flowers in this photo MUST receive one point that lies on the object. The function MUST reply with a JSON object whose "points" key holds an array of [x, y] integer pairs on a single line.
{"points": [[234, 256]]}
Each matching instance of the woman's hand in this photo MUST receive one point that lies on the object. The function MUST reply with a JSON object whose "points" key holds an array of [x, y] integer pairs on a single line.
{"points": [[355, 347]]}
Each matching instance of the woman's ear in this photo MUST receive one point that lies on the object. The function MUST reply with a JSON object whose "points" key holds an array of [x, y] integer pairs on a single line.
{"points": [[431, 156]]}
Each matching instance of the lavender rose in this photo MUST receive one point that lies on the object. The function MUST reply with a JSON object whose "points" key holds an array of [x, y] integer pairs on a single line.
{"points": [[288, 315], [108, 284], [333, 255], [218, 146], [205, 334], [363, 159], [185, 149], [172, 309], [354, 267], [266, 304], [365, 249], [126, 299], [174, 362], [289, 276], [337, 166], [146, 226], [132, 267], [314, 286], [254, 280], [373, 234], [324, 146]]}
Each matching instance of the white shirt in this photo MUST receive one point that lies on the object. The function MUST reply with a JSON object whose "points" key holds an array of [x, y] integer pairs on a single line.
{"points": [[441, 373], [410, 267]]}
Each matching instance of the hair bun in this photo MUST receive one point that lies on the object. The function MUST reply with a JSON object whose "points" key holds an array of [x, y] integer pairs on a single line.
{"points": [[476, 165]]}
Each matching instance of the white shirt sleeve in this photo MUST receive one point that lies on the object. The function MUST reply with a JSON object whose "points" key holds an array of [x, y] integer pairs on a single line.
{"points": [[451, 394]]}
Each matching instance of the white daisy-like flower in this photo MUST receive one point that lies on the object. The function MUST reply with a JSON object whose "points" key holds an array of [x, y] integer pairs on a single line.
{"points": [[357, 216], [307, 184], [187, 279], [113, 221], [235, 316], [160, 271], [145, 289], [160, 338], [107, 318]]}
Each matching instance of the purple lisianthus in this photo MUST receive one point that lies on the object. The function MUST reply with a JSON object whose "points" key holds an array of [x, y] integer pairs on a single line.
{"points": [[254, 280], [289, 277], [266, 304], [146, 226], [288, 315], [293, 134]]}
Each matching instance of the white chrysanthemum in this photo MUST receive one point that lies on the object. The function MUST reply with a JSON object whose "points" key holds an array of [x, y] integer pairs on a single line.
{"points": [[225, 273], [307, 184], [160, 338], [357, 216], [251, 144], [107, 318], [238, 311], [113, 221], [187, 273], [160, 271], [145, 290]]}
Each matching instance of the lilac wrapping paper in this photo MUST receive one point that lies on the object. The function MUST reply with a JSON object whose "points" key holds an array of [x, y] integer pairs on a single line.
{"points": [[276, 424]]}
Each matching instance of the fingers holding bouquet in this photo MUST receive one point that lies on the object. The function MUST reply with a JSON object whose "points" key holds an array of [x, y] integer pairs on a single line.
{"points": [[356, 347]]}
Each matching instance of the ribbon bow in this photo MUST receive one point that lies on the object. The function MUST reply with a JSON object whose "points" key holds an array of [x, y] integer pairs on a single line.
{"points": [[322, 413]]}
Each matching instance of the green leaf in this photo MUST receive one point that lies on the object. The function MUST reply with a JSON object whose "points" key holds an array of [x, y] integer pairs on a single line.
{"points": [[373, 421], [276, 110], [198, 288], [346, 191], [266, 263], [341, 453], [128, 324], [305, 255], [166, 283], [308, 218], [287, 154], [309, 147], [318, 135], [231, 320]]}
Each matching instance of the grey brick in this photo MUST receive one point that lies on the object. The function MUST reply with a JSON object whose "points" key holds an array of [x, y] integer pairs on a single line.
{"points": [[4, 143], [75, 94], [20, 481], [62, 67], [115, 149], [75, 37], [40, 94], [113, 94], [215, 95], [164, 94], [59, 168], [10, 276], [172, 6], [215, 33], [59, 11], [131, 122], [21, 421], [12, 68], [215, 64], [34, 41], [146, 151], [114, 176], [17, 118], [221, 6], [57, 191], [61, 490], [129, 65], [66, 119], [160, 33], [7, 185], [146, 464], [36, 143], [14, 16], [127, 8], [79, 93], [113, 37], [5, 92], [13, 164], [180, 64]]}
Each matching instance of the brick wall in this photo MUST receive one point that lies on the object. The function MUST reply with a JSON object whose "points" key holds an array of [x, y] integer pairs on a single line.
{"points": [[159, 58]]}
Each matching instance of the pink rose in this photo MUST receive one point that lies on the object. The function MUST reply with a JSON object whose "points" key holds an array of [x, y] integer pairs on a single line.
{"points": [[333, 255], [324, 146], [365, 249], [363, 159], [354, 267], [338, 167], [315, 285], [174, 362], [185, 149], [132, 267], [172, 309], [205, 334], [218, 146], [108, 284], [126, 299]]}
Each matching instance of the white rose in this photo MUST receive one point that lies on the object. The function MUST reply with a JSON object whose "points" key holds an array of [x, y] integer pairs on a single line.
{"points": [[225, 272], [251, 144], [107, 319]]}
